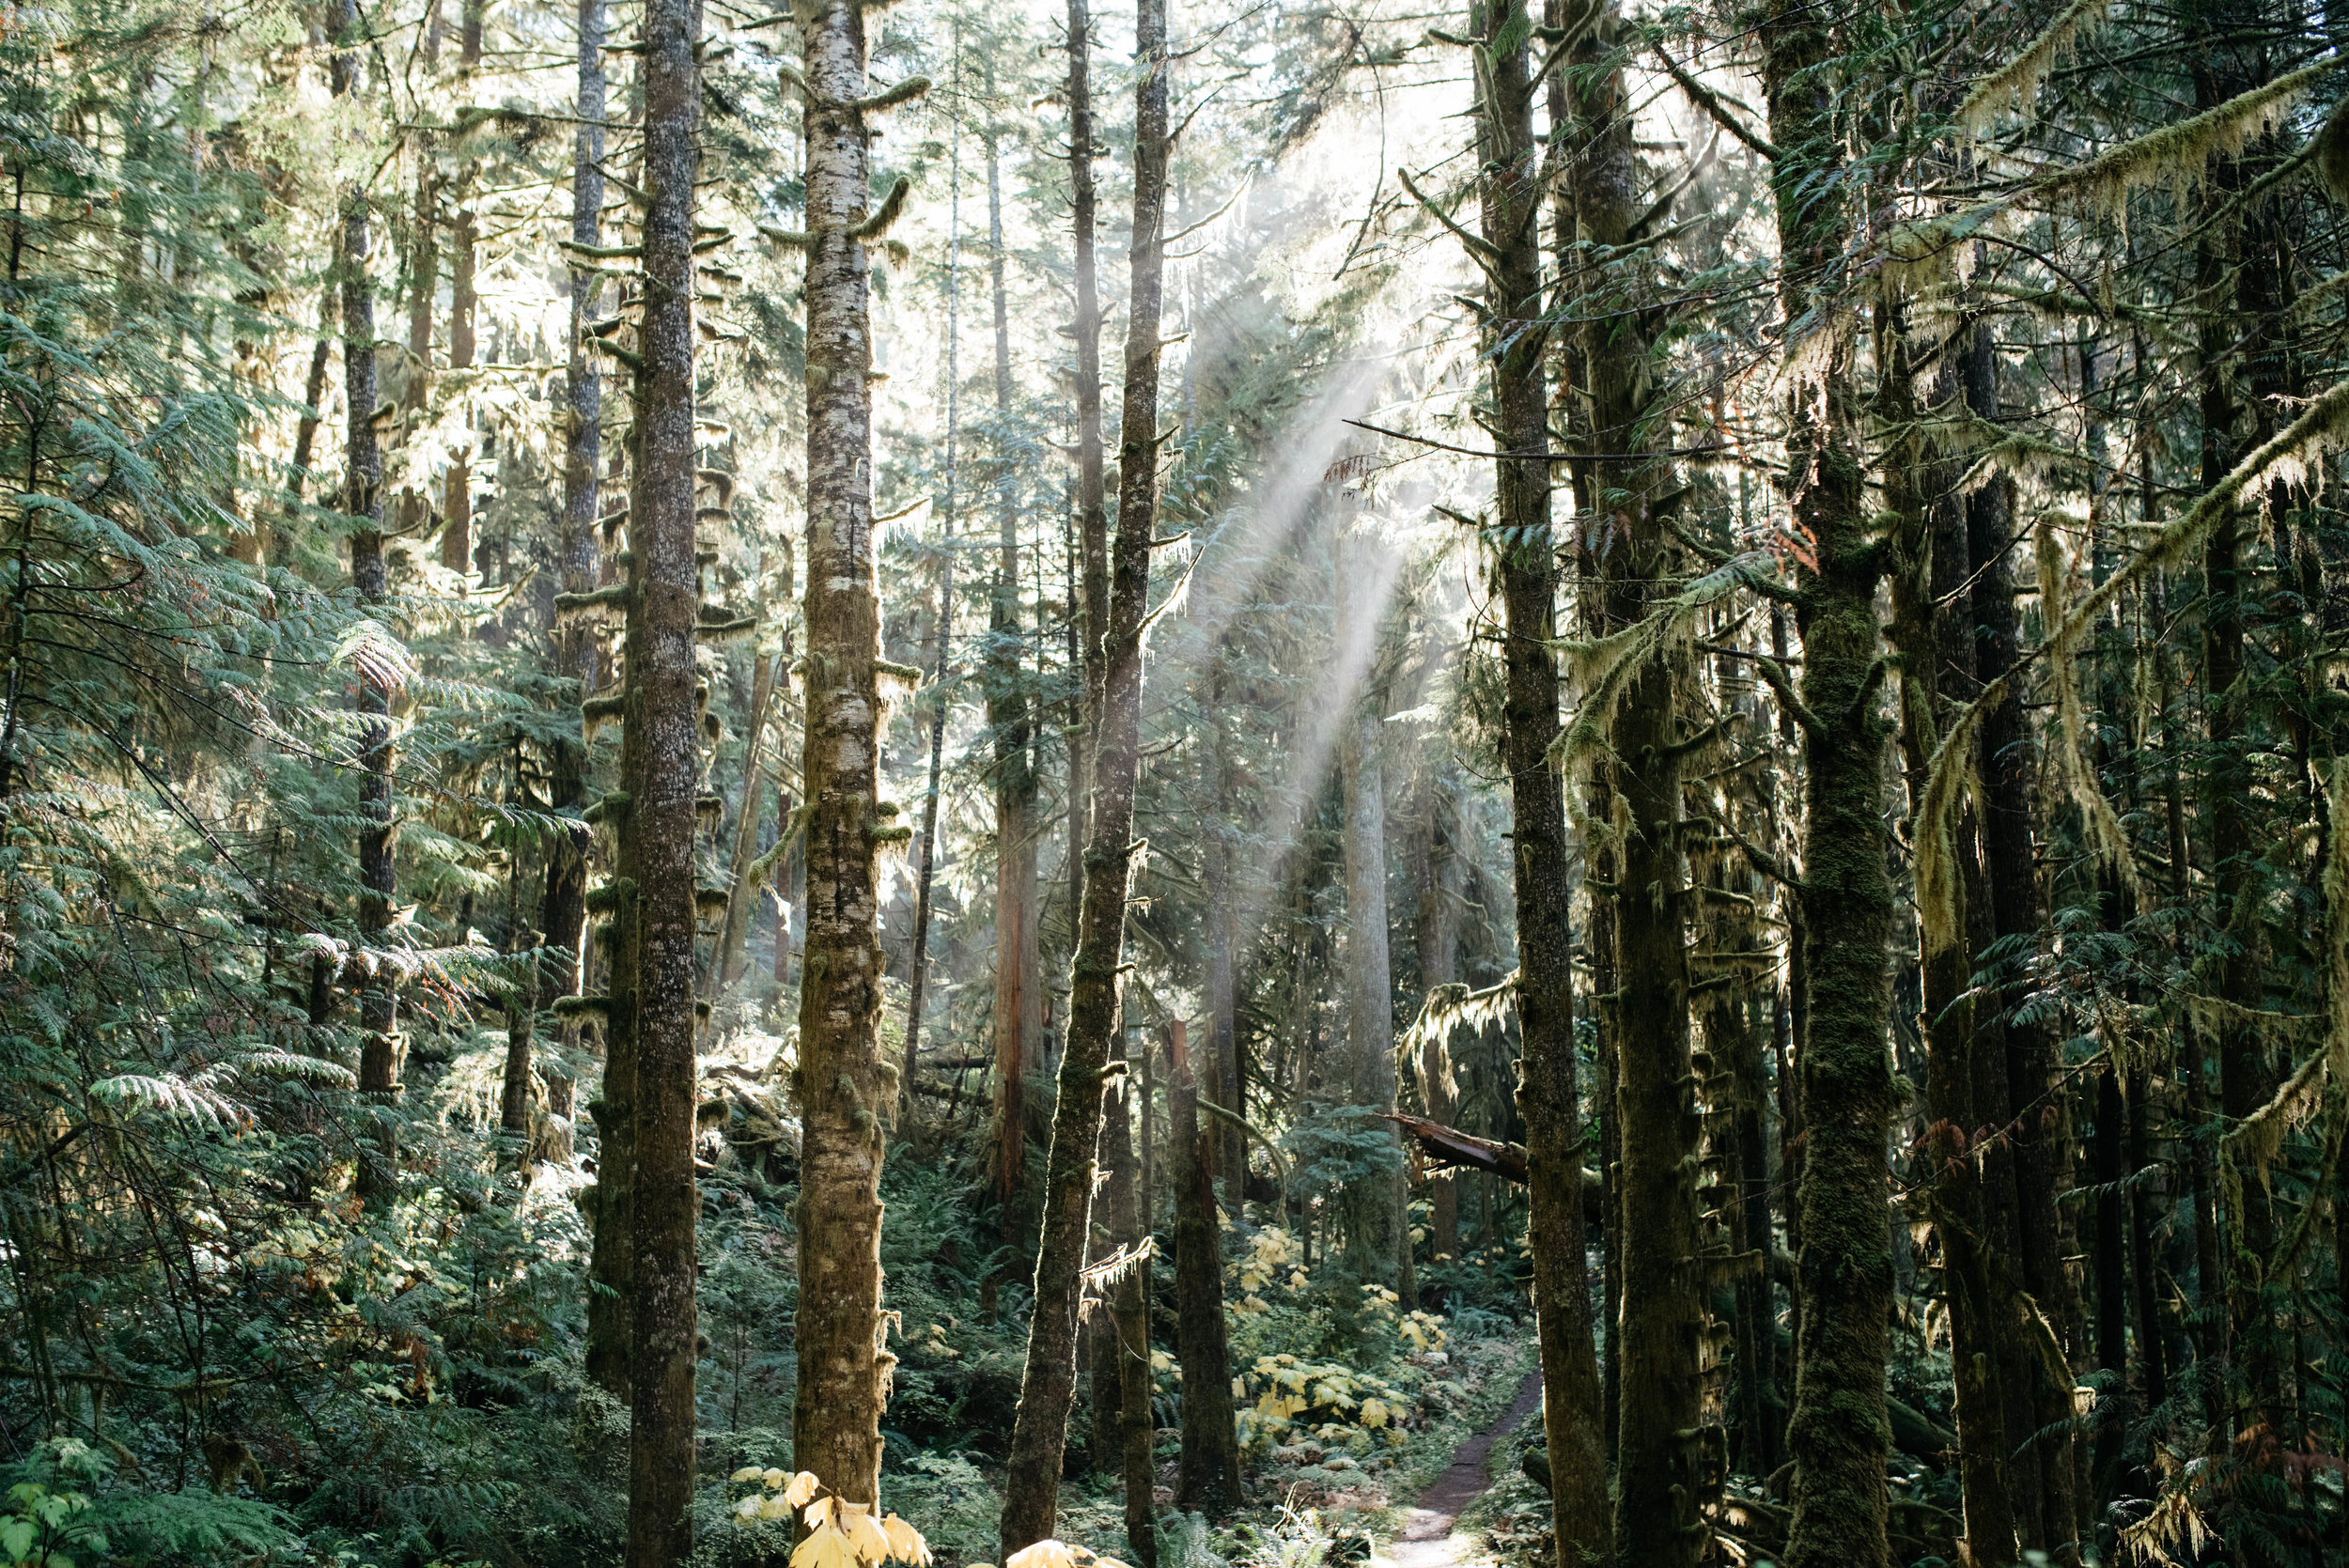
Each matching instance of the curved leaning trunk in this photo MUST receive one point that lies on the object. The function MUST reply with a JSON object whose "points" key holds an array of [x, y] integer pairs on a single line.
{"points": [[1048, 1383]]}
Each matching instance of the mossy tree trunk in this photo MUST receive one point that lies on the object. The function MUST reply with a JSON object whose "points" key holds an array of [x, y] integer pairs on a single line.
{"points": [[1660, 1454], [661, 705], [844, 1086], [1840, 1433]]}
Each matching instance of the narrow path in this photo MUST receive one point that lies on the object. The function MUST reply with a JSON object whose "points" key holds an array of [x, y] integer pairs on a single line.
{"points": [[1428, 1540]]}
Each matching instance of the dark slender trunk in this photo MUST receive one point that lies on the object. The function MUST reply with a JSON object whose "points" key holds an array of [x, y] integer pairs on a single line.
{"points": [[1134, 1429], [1208, 1476], [456, 496], [1928, 566], [1377, 1243], [1040, 1432], [1548, 1095], [844, 1085], [1437, 929], [2033, 1161], [927, 873], [378, 1177]]}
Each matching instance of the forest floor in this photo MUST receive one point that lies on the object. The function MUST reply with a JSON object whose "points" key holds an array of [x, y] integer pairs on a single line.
{"points": [[1431, 1536]]}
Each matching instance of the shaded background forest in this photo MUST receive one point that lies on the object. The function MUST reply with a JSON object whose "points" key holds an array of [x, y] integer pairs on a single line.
{"points": [[1904, 1054]]}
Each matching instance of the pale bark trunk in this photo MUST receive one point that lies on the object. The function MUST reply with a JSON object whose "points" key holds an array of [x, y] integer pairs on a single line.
{"points": [[726, 964], [1031, 1485], [845, 1086]]}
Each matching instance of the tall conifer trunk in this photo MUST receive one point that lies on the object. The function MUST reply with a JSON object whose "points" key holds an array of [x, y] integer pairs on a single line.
{"points": [[1840, 1433], [1660, 1454], [1924, 540], [578, 560], [661, 705], [378, 1177], [1548, 1095], [1018, 981], [844, 1085], [1047, 1385], [1377, 1243], [1207, 1473]]}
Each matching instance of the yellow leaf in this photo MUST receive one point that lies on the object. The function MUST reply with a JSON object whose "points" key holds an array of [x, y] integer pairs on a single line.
{"points": [[1240, 1388], [1374, 1413], [801, 1488], [818, 1512], [1047, 1553], [871, 1542], [905, 1543], [773, 1508], [748, 1473], [824, 1548], [776, 1478]]}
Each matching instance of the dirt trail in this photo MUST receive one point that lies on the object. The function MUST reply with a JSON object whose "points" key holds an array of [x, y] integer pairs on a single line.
{"points": [[1428, 1540]]}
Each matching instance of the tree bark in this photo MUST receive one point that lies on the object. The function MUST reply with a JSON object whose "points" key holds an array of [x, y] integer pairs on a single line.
{"points": [[661, 702], [580, 557], [1128, 1339], [1018, 1022], [377, 1177], [844, 1085], [1040, 1432], [1662, 1457], [1377, 1243], [1436, 933], [457, 497], [1840, 1433], [1926, 535], [924, 878], [1207, 1475], [1548, 1095]]}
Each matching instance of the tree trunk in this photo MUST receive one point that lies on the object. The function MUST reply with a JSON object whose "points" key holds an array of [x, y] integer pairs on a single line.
{"points": [[1839, 1433], [728, 963], [924, 878], [456, 498], [1208, 1476], [1927, 535], [2038, 1164], [1018, 981], [1548, 1095], [1437, 930], [661, 704], [1128, 1338], [377, 1173], [1040, 1432], [580, 557], [1377, 1241], [1661, 1460], [844, 1084]]}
